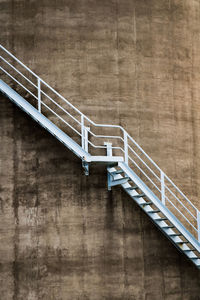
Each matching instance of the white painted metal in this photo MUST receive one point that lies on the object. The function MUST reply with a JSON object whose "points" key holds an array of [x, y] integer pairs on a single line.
{"points": [[198, 224], [162, 177], [39, 95], [86, 130], [154, 183], [82, 132], [125, 147], [109, 148]]}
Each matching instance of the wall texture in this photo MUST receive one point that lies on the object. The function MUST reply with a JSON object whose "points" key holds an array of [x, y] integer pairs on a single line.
{"points": [[136, 63]]}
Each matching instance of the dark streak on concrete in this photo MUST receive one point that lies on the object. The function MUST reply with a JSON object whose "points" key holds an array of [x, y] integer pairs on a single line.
{"points": [[15, 205]]}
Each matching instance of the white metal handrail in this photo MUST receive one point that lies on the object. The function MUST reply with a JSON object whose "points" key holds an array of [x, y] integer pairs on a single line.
{"points": [[130, 146]]}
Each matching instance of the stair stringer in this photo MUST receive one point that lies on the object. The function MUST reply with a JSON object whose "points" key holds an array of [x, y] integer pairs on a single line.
{"points": [[43, 121]]}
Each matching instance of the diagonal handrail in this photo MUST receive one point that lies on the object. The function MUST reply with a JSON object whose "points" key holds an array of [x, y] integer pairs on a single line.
{"points": [[129, 149]]}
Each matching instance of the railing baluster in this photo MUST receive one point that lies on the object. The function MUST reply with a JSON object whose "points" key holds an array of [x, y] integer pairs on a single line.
{"points": [[82, 132], [125, 147], [86, 129], [39, 95], [162, 180]]}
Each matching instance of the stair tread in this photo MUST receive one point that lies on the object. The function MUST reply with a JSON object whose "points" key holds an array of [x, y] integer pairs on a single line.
{"points": [[117, 172], [193, 257], [146, 203], [175, 234], [168, 226], [125, 178], [182, 242], [131, 188], [139, 195]]}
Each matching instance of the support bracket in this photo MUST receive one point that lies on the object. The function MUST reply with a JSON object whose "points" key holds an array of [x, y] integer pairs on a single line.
{"points": [[85, 166]]}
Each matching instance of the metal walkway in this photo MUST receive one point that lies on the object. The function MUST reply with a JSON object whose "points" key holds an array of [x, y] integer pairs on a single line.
{"points": [[127, 163]]}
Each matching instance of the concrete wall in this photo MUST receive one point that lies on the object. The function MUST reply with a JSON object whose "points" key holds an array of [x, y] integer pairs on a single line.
{"points": [[130, 62]]}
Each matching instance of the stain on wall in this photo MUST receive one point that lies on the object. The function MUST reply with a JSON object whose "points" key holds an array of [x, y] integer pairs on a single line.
{"points": [[134, 63]]}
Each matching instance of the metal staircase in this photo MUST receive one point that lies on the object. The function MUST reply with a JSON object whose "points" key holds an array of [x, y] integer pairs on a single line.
{"points": [[127, 163]]}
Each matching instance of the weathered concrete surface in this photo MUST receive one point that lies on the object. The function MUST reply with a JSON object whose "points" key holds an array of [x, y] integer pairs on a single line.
{"points": [[62, 235]]}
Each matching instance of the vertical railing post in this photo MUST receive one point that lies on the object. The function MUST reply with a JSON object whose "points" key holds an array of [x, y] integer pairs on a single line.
{"points": [[125, 147], [86, 129], [39, 94], [84, 143], [198, 224], [82, 132], [109, 153], [162, 180]]}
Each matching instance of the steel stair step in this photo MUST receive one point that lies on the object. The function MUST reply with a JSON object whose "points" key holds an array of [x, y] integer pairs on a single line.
{"points": [[197, 261], [146, 203], [139, 195], [188, 250], [119, 181], [131, 188], [153, 211], [161, 219], [124, 178], [116, 172], [175, 234], [167, 226], [192, 256], [182, 242]]}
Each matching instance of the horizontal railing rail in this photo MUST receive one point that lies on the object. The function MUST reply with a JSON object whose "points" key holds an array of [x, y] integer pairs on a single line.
{"points": [[131, 151]]}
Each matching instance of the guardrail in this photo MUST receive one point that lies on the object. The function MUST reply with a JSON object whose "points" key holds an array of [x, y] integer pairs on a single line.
{"points": [[134, 156]]}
